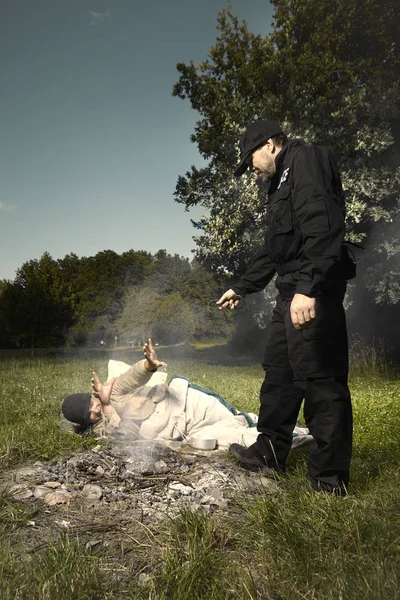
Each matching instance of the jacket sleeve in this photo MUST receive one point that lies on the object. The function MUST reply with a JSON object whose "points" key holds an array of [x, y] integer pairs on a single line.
{"points": [[258, 275], [318, 209], [134, 378]]}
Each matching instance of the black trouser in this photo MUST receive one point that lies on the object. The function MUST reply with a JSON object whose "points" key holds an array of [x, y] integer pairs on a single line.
{"points": [[310, 364]]}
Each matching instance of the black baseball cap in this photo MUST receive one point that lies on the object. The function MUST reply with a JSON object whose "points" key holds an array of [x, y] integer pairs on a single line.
{"points": [[256, 135], [75, 408]]}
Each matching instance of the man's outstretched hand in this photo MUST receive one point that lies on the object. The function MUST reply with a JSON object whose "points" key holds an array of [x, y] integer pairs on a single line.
{"points": [[302, 311], [152, 363], [102, 391], [229, 300]]}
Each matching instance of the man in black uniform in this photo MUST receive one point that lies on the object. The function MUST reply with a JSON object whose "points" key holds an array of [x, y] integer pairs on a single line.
{"points": [[306, 355]]}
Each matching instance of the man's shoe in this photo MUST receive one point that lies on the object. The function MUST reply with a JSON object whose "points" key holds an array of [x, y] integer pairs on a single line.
{"points": [[324, 488], [305, 485], [250, 458]]}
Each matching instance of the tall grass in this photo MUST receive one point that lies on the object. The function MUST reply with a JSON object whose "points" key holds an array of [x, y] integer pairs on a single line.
{"points": [[63, 569], [326, 547], [368, 358], [195, 561]]}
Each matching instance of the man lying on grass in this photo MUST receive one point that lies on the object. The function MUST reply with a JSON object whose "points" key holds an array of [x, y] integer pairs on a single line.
{"points": [[131, 405]]}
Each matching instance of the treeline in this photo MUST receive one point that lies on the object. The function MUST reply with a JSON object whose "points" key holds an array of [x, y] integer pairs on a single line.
{"points": [[109, 298]]}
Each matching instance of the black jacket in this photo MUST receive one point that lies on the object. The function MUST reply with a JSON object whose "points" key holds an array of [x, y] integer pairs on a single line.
{"points": [[305, 226]]}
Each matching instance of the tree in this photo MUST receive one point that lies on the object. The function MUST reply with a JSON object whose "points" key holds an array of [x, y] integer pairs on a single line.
{"points": [[86, 300], [174, 321], [167, 271], [38, 307], [138, 316], [164, 317], [5, 337], [329, 72], [174, 309], [100, 283], [200, 289]]}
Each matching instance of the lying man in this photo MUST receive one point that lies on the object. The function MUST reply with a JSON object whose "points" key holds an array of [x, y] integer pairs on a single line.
{"points": [[131, 405]]}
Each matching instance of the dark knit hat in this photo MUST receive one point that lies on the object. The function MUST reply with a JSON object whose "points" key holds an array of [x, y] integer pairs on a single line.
{"points": [[256, 134], [75, 408]]}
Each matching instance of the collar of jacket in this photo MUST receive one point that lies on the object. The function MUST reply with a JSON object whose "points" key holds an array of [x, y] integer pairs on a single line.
{"points": [[279, 160]]}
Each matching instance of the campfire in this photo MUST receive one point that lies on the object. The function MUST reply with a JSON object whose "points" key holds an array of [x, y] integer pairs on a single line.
{"points": [[150, 476]]}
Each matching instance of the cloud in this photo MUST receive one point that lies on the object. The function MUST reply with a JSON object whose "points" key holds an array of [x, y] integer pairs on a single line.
{"points": [[98, 17], [7, 207]]}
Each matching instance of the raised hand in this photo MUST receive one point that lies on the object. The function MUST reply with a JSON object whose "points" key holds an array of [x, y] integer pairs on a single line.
{"points": [[151, 357], [100, 390]]}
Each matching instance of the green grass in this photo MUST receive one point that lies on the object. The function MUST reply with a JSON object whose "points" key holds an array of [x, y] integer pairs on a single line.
{"points": [[30, 401], [196, 559], [64, 570], [293, 545]]}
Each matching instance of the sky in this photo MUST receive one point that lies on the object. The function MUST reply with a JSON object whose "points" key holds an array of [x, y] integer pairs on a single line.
{"points": [[92, 140]]}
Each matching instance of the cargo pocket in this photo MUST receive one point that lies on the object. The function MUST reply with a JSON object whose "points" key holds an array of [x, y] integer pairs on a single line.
{"points": [[325, 351], [282, 213], [317, 218]]}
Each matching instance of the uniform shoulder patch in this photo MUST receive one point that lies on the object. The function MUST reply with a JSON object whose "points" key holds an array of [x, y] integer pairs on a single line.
{"points": [[284, 177]]}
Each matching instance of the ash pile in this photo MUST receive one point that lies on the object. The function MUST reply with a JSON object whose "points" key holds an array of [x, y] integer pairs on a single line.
{"points": [[150, 477]]}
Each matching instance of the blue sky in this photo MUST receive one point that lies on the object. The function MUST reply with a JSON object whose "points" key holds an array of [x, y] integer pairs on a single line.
{"points": [[92, 140]]}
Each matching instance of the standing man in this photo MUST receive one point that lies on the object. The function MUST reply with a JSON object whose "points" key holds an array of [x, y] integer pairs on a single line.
{"points": [[306, 355]]}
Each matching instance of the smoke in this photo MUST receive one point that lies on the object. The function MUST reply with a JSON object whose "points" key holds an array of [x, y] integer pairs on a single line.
{"points": [[374, 296]]}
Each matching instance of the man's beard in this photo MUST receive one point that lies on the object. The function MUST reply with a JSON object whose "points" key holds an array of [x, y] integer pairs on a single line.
{"points": [[265, 176]]}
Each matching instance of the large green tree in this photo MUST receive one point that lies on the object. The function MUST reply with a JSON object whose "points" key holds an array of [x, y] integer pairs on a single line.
{"points": [[83, 301], [38, 307], [100, 283], [329, 72], [177, 306]]}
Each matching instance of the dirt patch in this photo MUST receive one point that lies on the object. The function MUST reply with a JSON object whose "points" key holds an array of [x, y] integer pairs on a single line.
{"points": [[116, 498]]}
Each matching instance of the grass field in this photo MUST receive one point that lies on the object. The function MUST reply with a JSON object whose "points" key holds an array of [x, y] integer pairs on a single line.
{"points": [[297, 545]]}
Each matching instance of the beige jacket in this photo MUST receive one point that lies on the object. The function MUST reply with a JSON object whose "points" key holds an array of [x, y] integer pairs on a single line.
{"points": [[147, 409], [133, 402]]}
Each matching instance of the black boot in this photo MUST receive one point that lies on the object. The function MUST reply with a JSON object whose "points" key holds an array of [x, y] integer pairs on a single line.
{"points": [[250, 458]]}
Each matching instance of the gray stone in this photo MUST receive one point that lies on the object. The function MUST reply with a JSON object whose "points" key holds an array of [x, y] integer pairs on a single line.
{"points": [[145, 468], [216, 492], [206, 500], [20, 492], [185, 490], [211, 501], [143, 579], [40, 491], [92, 543], [161, 467], [92, 493], [26, 473], [223, 503], [58, 497], [63, 524]]}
